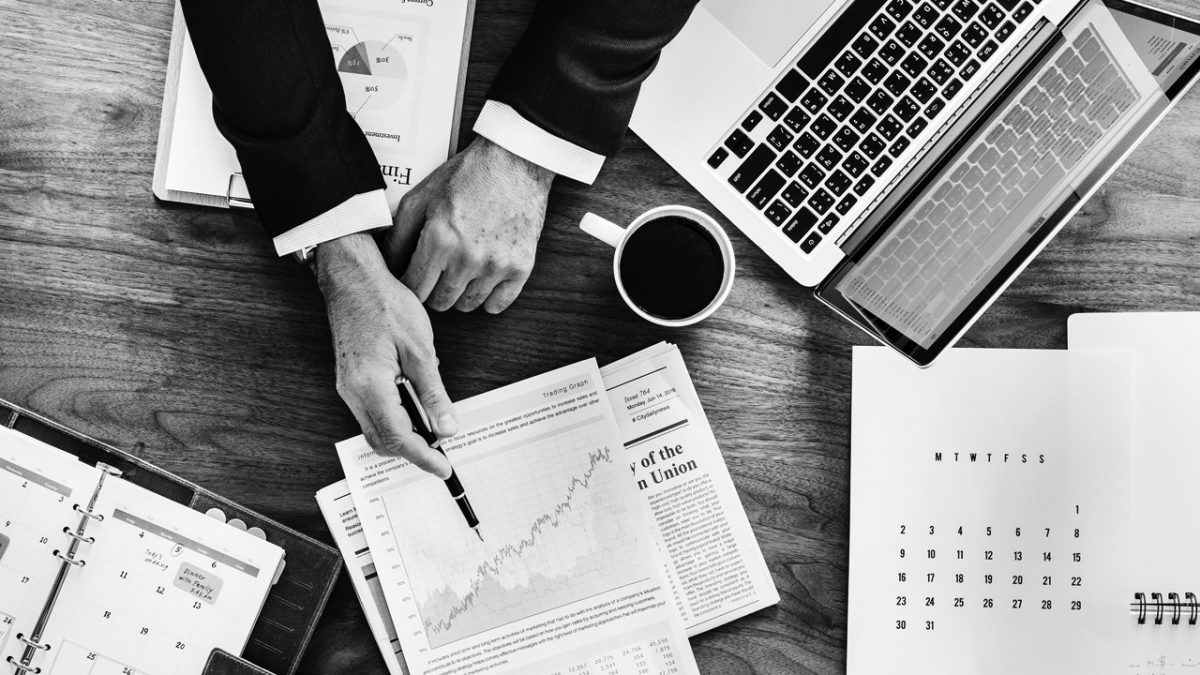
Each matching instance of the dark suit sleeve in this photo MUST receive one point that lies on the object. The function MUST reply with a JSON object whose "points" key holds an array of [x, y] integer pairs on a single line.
{"points": [[577, 71], [278, 99]]}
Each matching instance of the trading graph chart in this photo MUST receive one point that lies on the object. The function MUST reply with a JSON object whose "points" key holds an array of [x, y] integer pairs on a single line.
{"points": [[553, 535]]}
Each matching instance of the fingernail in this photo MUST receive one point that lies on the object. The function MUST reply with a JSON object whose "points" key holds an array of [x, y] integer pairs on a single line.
{"points": [[447, 423]]}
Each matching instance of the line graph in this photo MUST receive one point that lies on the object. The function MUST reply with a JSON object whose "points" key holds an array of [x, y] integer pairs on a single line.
{"points": [[442, 614], [551, 517]]}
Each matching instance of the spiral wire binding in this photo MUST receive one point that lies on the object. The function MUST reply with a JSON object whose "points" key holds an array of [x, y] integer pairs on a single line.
{"points": [[1173, 604], [33, 643]]}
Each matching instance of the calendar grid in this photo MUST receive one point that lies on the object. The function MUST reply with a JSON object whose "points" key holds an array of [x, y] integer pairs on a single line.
{"points": [[135, 610], [981, 527]]}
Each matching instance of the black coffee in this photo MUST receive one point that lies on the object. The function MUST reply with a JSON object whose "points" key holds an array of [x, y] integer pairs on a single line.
{"points": [[672, 267]]}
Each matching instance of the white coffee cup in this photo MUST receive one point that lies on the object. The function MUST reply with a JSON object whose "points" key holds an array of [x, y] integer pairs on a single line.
{"points": [[616, 236]]}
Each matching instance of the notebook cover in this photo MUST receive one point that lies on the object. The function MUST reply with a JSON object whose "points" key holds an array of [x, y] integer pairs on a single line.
{"points": [[221, 662]]}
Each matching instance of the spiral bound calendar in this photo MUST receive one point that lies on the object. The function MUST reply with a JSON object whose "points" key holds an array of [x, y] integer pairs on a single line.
{"points": [[1029, 511], [1163, 583], [988, 513], [98, 575]]}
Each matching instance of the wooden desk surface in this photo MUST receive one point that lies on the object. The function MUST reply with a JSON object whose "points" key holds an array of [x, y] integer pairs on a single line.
{"points": [[175, 332]]}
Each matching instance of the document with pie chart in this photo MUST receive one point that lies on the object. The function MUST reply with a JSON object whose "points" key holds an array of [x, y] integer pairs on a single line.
{"points": [[377, 74], [402, 65], [381, 59]]}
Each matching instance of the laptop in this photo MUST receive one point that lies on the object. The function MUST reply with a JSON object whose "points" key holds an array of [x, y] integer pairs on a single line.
{"points": [[908, 159]]}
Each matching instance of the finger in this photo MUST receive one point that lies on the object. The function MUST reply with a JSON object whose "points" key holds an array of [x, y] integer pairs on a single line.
{"points": [[428, 262], [400, 241], [428, 384], [389, 430], [450, 287], [476, 292], [504, 295]]}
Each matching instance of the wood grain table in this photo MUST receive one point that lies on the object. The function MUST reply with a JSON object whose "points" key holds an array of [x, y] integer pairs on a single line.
{"points": [[175, 333]]}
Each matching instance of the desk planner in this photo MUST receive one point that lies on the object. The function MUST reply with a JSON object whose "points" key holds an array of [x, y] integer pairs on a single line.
{"points": [[100, 576]]}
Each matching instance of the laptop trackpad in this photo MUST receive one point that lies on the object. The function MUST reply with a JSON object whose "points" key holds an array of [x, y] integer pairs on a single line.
{"points": [[769, 28]]}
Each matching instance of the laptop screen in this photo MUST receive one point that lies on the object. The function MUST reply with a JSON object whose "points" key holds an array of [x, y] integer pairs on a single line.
{"points": [[1010, 171]]}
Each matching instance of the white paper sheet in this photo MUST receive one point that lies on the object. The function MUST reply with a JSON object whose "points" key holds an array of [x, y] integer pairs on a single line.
{"points": [[567, 579], [337, 505], [1165, 476], [988, 512], [714, 567]]}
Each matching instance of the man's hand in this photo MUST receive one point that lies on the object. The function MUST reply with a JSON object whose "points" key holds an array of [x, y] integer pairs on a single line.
{"points": [[466, 235], [380, 330]]}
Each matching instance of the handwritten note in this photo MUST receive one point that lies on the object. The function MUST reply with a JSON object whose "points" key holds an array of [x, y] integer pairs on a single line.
{"points": [[199, 583]]}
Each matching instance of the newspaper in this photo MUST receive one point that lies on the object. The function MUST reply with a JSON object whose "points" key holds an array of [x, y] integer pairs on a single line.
{"points": [[337, 506], [564, 577], [711, 561]]}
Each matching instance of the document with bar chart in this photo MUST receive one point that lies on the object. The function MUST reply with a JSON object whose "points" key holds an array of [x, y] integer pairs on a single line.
{"points": [[566, 577]]}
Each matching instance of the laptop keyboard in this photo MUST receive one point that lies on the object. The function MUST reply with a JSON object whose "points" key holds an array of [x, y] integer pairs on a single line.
{"points": [[970, 219], [855, 101]]}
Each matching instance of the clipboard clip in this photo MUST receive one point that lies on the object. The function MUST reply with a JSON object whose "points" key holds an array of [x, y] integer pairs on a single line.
{"points": [[237, 194]]}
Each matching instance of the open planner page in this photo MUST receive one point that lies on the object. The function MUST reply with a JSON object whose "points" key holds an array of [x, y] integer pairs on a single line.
{"points": [[163, 585], [566, 578], [989, 512], [1165, 499], [39, 485]]}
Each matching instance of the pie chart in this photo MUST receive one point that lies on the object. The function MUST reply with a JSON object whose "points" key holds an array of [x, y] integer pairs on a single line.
{"points": [[374, 75]]}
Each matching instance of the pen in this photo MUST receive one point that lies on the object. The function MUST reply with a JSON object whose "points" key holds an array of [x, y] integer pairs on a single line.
{"points": [[421, 425]]}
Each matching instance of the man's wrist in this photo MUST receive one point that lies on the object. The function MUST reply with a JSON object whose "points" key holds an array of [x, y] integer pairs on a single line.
{"points": [[505, 157], [332, 259]]}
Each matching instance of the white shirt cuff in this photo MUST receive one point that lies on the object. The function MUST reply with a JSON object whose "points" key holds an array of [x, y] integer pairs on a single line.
{"points": [[504, 126], [360, 213]]}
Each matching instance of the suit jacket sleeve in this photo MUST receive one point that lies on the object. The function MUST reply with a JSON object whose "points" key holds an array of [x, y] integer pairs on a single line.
{"points": [[277, 98], [577, 70]]}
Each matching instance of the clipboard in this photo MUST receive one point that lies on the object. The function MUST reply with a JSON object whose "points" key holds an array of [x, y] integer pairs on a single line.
{"points": [[236, 194], [295, 603]]}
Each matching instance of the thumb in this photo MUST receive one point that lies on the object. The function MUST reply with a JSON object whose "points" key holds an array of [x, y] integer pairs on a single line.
{"points": [[428, 384], [401, 239]]}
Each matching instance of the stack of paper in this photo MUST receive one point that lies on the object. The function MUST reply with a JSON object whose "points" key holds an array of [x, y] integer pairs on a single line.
{"points": [[611, 529]]}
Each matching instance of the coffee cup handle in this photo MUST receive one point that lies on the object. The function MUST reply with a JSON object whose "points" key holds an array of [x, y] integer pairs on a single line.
{"points": [[604, 230]]}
